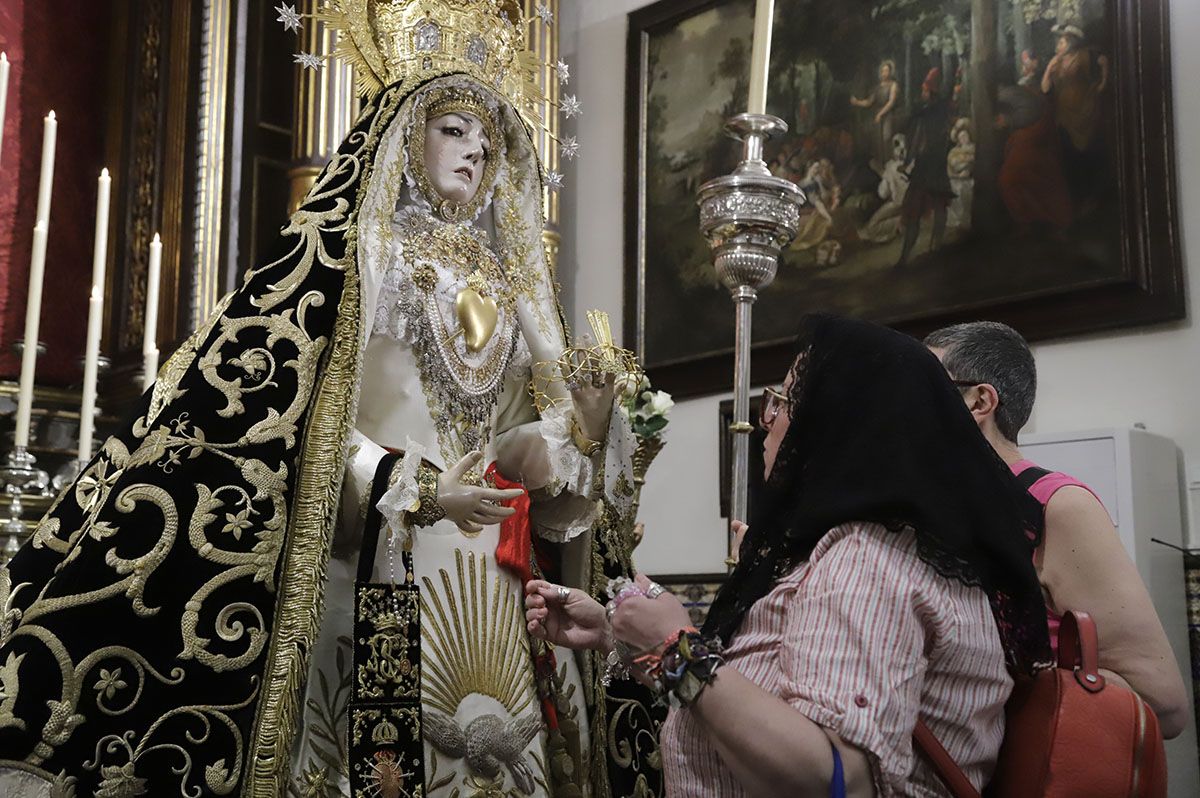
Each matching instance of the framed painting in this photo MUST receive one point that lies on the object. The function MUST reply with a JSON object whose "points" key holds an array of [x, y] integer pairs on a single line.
{"points": [[962, 159]]}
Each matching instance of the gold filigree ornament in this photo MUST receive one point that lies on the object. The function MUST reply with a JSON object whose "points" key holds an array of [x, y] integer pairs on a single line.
{"points": [[414, 41], [392, 40], [590, 364]]}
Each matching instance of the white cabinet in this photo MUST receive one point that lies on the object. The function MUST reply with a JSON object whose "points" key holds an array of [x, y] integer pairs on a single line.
{"points": [[1138, 477]]}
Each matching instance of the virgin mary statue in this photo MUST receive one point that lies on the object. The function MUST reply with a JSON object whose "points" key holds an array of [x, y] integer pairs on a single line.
{"points": [[298, 569]]}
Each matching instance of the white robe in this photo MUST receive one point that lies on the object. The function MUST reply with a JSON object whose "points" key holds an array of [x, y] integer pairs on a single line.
{"points": [[463, 657]]}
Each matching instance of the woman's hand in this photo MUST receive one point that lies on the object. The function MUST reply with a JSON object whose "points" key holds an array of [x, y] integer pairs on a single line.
{"points": [[564, 616], [643, 623], [472, 507], [739, 534]]}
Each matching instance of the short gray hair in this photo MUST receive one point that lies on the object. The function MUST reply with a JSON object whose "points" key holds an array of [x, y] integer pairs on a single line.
{"points": [[987, 351]]}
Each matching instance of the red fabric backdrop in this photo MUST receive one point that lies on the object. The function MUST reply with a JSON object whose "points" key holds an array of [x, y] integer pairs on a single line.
{"points": [[59, 51]]}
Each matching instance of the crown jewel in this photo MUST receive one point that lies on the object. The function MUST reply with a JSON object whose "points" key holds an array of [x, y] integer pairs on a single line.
{"points": [[392, 40]]}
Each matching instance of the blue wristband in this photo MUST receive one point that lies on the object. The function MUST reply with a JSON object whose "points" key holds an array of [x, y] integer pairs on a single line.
{"points": [[837, 785]]}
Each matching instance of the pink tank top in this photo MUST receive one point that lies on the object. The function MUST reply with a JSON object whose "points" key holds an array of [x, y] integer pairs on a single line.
{"points": [[1045, 487]]}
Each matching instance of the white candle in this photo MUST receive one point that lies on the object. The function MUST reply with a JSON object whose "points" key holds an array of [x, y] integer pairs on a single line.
{"points": [[150, 335], [33, 312], [45, 184], [760, 55], [87, 411], [37, 273], [3, 94]]}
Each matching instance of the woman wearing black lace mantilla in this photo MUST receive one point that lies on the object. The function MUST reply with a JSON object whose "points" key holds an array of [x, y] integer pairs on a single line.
{"points": [[885, 578]]}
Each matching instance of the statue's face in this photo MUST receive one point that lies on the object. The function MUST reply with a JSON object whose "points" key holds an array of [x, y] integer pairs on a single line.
{"points": [[456, 149]]}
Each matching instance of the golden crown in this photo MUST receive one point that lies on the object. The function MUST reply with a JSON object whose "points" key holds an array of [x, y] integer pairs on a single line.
{"points": [[393, 40]]}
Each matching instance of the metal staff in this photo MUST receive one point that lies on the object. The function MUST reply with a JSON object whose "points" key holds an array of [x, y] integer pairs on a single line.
{"points": [[748, 217]]}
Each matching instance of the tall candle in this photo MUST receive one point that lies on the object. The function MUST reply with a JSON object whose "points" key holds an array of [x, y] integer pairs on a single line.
{"points": [[37, 273], [87, 411], [760, 56], [3, 94], [33, 312], [150, 335], [45, 183]]}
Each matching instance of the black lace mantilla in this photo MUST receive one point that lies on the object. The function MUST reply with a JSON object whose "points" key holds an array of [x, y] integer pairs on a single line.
{"points": [[878, 433]]}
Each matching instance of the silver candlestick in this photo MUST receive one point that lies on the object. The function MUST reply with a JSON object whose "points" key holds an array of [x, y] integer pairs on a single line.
{"points": [[19, 476], [748, 217]]}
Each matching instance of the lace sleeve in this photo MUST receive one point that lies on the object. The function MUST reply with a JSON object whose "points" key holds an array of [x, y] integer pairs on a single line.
{"points": [[618, 463], [573, 476], [569, 469], [402, 494]]}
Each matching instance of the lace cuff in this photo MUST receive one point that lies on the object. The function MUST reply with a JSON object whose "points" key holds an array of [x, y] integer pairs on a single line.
{"points": [[569, 469], [565, 517], [403, 493]]}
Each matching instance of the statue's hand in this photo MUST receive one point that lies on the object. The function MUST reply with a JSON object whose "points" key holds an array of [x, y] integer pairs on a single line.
{"points": [[472, 507], [593, 406]]}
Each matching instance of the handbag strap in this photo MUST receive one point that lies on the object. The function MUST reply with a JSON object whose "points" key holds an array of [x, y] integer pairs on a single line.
{"points": [[1079, 649], [942, 763], [374, 520], [1030, 475]]}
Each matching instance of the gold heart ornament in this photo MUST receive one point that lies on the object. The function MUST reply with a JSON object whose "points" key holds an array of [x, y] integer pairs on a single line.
{"points": [[477, 316]]}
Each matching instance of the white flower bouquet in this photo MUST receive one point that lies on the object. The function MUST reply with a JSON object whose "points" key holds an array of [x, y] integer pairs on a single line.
{"points": [[646, 410]]}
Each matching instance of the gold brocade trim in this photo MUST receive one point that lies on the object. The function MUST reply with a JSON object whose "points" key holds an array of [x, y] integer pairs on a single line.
{"points": [[318, 486], [428, 511], [306, 554]]}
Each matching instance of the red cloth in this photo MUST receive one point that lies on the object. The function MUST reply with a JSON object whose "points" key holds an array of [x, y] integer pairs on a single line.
{"points": [[515, 549], [515, 553]]}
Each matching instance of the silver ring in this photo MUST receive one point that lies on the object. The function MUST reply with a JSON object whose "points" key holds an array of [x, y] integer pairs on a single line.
{"points": [[564, 593], [655, 590], [610, 609]]}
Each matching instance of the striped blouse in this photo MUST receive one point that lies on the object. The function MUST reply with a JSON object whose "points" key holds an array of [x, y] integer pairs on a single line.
{"points": [[862, 638]]}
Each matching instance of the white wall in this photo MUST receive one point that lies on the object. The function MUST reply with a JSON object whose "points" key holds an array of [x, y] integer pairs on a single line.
{"points": [[1149, 376]]}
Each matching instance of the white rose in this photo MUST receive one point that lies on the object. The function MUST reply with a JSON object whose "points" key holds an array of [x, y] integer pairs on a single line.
{"points": [[659, 403]]}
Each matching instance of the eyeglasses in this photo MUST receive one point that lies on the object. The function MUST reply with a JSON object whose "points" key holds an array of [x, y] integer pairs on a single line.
{"points": [[772, 402], [974, 384]]}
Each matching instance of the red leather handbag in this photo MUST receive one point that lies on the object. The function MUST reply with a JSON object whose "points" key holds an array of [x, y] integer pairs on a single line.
{"points": [[1069, 734]]}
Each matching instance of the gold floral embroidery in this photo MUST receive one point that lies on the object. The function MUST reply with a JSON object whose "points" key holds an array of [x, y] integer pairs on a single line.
{"points": [[391, 617]]}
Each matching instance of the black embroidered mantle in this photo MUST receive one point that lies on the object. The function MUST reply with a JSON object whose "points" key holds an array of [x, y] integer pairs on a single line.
{"points": [[156, 628]]}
